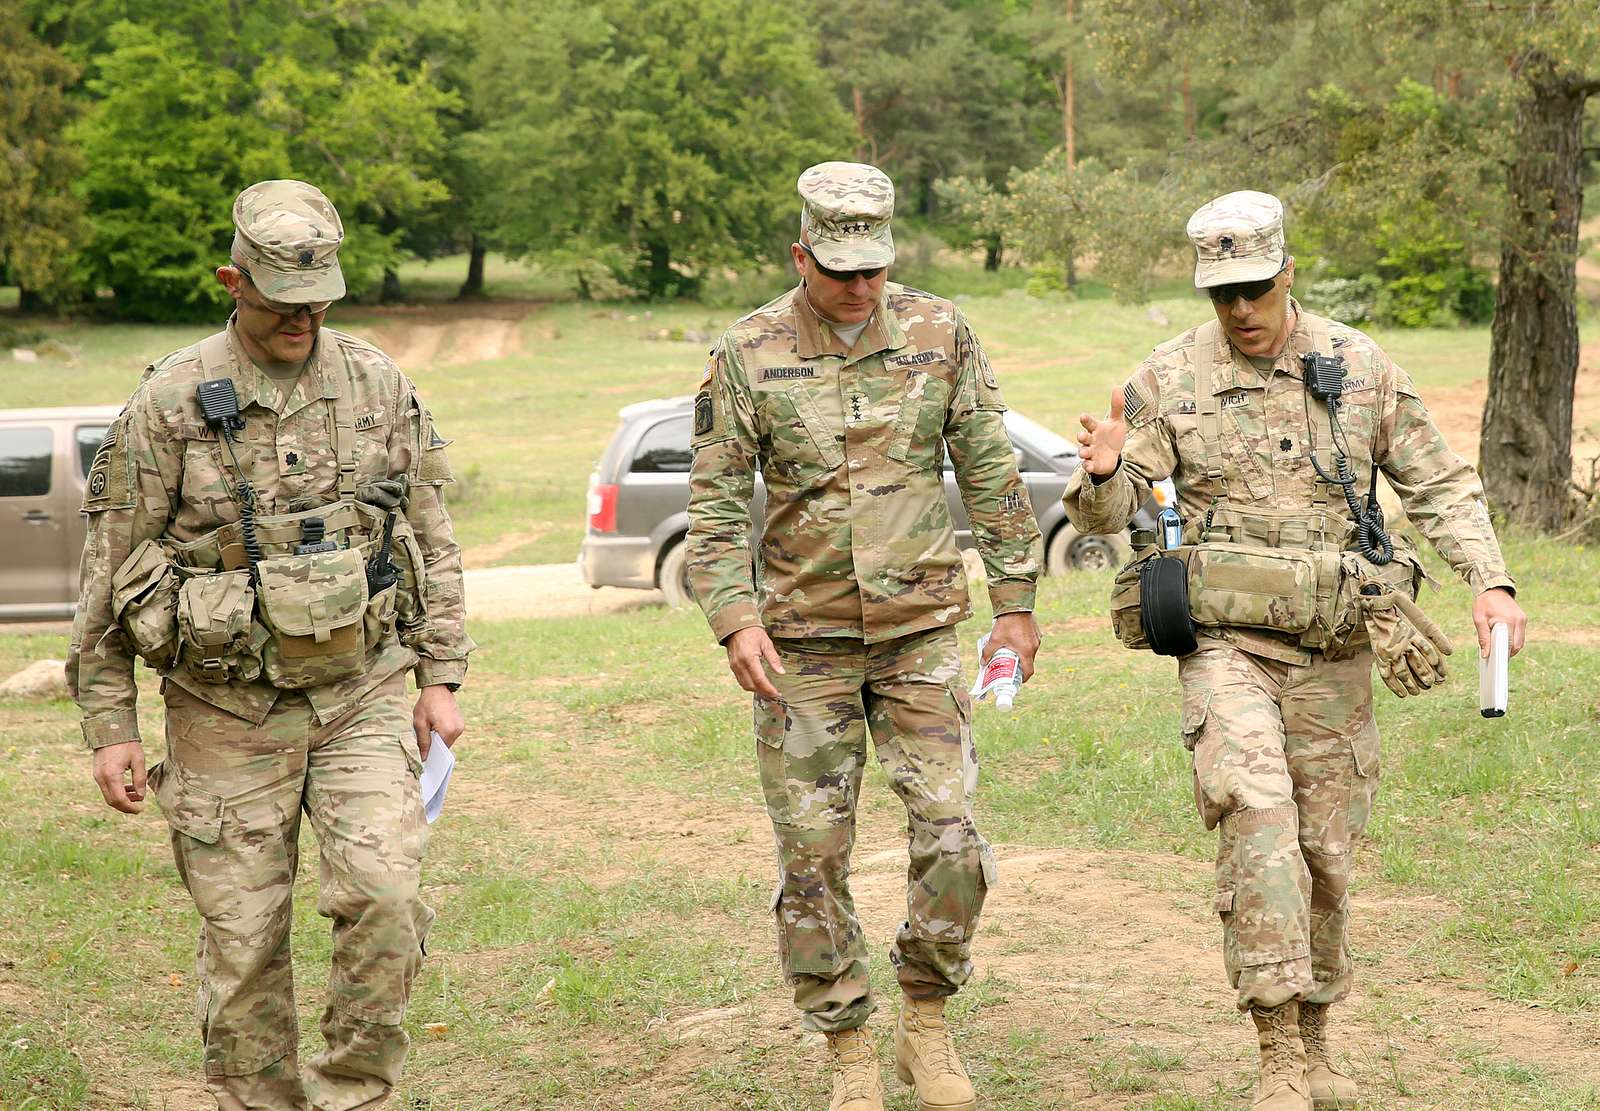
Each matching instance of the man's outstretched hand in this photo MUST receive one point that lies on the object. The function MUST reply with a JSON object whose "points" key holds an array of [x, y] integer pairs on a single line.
{"points": [[748, 650], [1100, 442]]}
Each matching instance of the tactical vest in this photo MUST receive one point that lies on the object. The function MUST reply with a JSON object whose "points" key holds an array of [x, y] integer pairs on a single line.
{"points": [[295, 619], [1287, 569]]}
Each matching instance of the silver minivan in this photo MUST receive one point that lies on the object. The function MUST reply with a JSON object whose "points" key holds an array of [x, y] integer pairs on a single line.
{"points": [[639, 496], [44, 459]]}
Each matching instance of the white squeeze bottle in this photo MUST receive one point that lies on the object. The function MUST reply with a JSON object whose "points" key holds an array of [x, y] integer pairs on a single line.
{"points": [[1002, 675]]}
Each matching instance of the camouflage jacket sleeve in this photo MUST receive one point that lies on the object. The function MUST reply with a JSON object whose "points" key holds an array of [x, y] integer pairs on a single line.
{"points": [[127, 502], [721, 486], [416, 447], [1440, 491], [1003, 524], [1147, 458]]}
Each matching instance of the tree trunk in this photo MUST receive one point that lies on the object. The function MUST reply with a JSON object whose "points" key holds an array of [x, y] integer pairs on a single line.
{"points": [[29, 301], [392, 290], [1069, 100], [993, 252], [859, 103], [1191, 121], [472, 288], [1525, 451], [660, 281]]}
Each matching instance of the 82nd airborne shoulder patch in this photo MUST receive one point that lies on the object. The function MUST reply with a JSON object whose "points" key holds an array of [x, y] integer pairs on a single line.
{"points": [[704, 416]]}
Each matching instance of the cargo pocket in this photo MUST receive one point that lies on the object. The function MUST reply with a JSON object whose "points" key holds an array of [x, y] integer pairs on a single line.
{"points": [[216, 628], [805, 449], [919, 428], [1196, 710], [194, 813], [314, 606], [144, 602], [1366, 752]]}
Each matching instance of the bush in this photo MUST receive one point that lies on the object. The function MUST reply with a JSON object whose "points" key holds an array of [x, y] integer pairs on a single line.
{"points": [[1348, 300], [1429, 281]]}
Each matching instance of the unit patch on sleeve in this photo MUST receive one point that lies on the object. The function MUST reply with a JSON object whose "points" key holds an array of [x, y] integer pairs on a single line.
{"points": [[704, 418]]}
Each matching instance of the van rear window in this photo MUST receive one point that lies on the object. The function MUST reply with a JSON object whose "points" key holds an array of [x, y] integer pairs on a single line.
{"points": [[24, 462], [664, 448], [89, 437]]}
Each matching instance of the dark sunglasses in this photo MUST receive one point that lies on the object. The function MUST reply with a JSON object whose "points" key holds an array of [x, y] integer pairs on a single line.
{"points": [[1250, 291], [280, 308], [841, 276]]}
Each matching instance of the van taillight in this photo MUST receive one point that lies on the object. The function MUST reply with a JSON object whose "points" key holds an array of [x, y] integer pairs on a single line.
{"points": [[603, 508]]}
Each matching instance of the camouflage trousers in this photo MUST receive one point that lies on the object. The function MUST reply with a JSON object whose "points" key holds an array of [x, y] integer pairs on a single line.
{"points": [[1286, 764], [233, 795], [812, 749]]}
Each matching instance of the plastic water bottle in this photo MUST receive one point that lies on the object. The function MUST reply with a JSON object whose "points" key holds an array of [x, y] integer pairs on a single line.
{"points": [[1002, 675]]}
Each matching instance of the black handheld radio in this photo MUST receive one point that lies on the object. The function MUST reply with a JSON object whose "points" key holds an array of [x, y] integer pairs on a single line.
{"points": [[219, 405], [1324, 375]]}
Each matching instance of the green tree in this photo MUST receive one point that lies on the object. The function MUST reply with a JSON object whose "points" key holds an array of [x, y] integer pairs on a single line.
{"points": [[41, 221], [177, 123], [659, 138]]}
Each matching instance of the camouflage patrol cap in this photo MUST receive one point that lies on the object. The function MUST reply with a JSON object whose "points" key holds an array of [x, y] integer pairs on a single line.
{"points": [[1237, 238], [848, 206], [287, 236]]}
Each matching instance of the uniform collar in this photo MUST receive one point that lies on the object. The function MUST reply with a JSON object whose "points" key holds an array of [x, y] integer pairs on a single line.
{"points": [[254, 387], [1237, 370], [815, 337]]}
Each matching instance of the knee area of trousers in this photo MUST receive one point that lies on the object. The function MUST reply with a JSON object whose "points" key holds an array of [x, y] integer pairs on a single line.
{"points": [[373, 896], [1273, 819]]}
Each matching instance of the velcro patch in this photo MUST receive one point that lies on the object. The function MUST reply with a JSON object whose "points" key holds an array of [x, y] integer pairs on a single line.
{"points": [[919, 358], [1235, 398], [110, 481], [1132, 402], [1186, 408], [784, 373], [704, 418]]}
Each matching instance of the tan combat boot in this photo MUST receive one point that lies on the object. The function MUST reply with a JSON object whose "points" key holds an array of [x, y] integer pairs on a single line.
{"points": [[1282, 1086], [925, 1058], [856, 1084], [1331, 1088]]}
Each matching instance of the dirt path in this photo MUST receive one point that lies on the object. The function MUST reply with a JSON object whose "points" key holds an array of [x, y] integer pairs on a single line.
{"points": [[545, 590], [1095, 957], [449, 334]]}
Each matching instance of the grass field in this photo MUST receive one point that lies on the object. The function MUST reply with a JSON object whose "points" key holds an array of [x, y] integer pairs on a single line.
{"points": [[603, 866]]}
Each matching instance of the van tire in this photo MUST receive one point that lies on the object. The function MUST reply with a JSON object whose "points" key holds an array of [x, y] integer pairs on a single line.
{"points": [[672, 576], [1070, 550]]}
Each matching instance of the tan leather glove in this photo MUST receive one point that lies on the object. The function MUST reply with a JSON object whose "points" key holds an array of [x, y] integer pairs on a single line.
{"points": [[1410, 648]]}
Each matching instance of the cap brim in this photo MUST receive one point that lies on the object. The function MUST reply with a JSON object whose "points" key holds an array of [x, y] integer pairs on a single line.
{"points": [[298, 287], [1227, 271], [856, 252]]}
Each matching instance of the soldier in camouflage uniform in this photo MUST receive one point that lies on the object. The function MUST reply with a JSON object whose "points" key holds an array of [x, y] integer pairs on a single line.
{"points": [[1285, 746], [255, 736], [846, 393]]}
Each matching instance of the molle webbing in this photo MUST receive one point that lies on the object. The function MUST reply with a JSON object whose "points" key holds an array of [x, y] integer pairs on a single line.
{"points": [[1207, 407], [214, 362]]}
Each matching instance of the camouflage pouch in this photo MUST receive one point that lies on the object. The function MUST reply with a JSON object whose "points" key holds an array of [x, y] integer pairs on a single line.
{"points": [[1253, 587], [144, 602], [1125, 604], [1404, 574], [217, 639], [314, 609]]}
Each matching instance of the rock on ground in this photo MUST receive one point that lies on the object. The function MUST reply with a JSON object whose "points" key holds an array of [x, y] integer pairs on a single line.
{"points": [[42, 680]]}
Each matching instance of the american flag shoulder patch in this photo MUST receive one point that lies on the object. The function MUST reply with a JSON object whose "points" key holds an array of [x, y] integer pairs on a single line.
{"points": [[1133, 402]]}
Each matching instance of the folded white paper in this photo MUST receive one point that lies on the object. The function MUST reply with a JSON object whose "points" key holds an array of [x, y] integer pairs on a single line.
{"points": [[436, 776]]}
